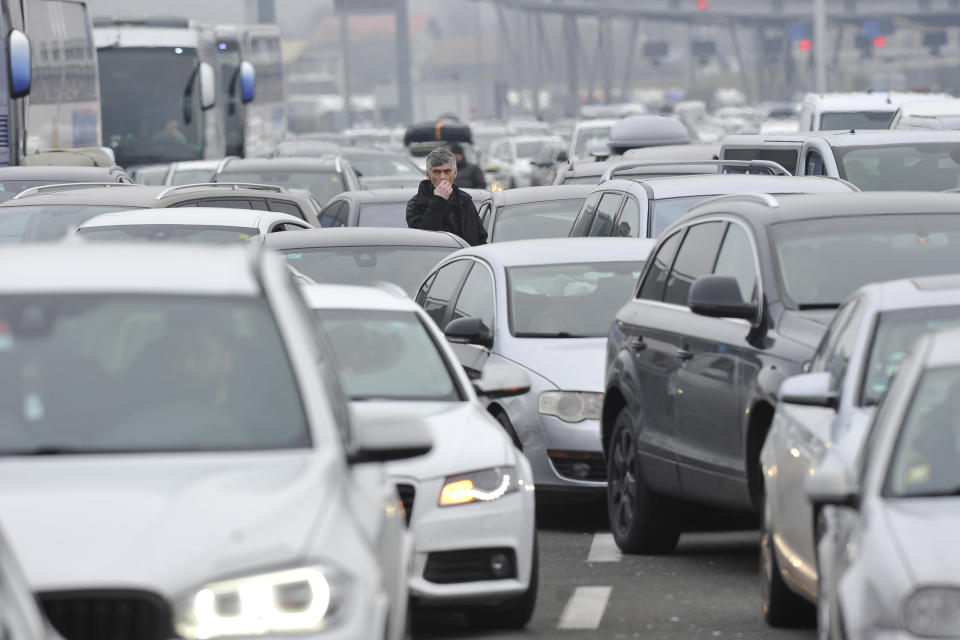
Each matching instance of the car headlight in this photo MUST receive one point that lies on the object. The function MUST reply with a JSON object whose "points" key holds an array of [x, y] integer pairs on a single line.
{"points": [[479, 486], [296, 600], [571, 406], [933, 612]]}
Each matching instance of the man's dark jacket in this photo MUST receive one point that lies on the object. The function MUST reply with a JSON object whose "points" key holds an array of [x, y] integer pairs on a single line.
{"points": [[470, 176], [457, 215]]}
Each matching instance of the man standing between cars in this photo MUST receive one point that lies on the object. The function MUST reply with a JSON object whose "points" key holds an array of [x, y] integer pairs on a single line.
{"points": [[469, 176], [440, 205]]}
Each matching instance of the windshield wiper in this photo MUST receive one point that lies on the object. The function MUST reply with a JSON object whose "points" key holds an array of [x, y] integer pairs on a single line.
{"points": [[549, 334], [813, 306]]}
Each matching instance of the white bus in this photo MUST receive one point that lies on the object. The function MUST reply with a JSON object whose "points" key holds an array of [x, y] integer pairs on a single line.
{"points": [[267, 113], [158, 85], [50, 68]]}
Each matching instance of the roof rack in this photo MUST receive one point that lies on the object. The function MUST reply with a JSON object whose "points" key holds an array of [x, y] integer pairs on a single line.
{"points": [[231, 186], [67, 186], [774, 167], [764, 199]]}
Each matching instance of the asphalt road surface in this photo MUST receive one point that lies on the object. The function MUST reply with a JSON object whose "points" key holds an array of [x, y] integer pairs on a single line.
{"points": [[708, 588]]}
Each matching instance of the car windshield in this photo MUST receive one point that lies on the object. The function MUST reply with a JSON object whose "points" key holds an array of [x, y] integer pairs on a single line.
{"points": [[387, 355], [529, 150], [384, 165], [365, 266], [181, 374], [322, 184], [840, 121], [933, 166], [588, 134], [383, 214], [154, 117], [820, 261], [193, 176], [895, 333], [549, 219], [666, 211], [573, 300], [202, 234], [45, 222], [926, 459]]}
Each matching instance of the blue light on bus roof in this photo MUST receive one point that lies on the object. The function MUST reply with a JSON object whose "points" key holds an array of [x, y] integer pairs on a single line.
{"points": [[222, 46], [178, 51]]}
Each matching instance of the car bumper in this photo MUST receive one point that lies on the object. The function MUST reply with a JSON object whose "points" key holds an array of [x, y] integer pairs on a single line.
{"points": [[470, 533], [566, 457]]}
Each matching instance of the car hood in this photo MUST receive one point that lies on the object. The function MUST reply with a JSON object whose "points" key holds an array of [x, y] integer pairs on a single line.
{"points": [[465, 437], [806, 327], [161, 522], [925, 532], [571, 364]]}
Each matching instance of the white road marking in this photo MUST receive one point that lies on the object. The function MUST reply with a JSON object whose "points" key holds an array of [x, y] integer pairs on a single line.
{"points": [[604, 549], [585, 608]]}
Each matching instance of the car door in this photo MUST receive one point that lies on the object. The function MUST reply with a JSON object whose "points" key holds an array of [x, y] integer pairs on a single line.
{"points": [[440, 288], [607, 211], [476, 299], [649, 334]]}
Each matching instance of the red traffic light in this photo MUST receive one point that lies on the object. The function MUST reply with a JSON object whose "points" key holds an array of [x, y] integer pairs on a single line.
{"points": [[879, 42], [703, 4], [805, 44]]}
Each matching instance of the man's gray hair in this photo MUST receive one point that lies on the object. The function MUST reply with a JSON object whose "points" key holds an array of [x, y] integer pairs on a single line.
{"points": [[439, 157]]}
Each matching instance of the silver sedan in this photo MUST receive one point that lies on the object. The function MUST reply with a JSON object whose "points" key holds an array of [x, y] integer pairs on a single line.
{"points": [[889, 557]]}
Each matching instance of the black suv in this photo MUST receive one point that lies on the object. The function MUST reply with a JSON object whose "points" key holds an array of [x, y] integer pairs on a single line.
{"points": [[736, 298]]}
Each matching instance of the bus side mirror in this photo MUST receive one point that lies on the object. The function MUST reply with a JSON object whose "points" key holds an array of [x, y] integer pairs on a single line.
{"points": [[208, 86], [248, 82], [18, 63]]}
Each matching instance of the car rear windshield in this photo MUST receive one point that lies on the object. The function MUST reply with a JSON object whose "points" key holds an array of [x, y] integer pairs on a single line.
{"points": [[168, 233], [575, 300], [387, 355], [933, 166], [46, 223], [386, 165], [550, 219], [821, 261], [383, 214], [144, 373], [365, 266], [895, 333], [322, 184], [926, 459], [840, 121], [666, 211]]}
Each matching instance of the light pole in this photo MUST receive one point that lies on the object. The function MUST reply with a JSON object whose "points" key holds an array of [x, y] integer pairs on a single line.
{"points": [[820, 45]]}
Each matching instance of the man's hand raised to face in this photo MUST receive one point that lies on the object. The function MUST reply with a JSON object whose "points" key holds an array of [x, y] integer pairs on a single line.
{"points": [[444, 189]]}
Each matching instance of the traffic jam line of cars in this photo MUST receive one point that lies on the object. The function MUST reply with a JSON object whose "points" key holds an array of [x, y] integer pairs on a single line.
{"points": [[289, 414]]}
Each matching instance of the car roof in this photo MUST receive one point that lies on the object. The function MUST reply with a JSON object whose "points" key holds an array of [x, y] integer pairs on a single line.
{"points": [[852, 101], [674, 152], [155, 269], [281, 163], [548, 251], [524, 195], [367, 152], [188, 165], [871, 137], [58, 172], [186, 216], [931, 108], [336, 296], [912, 293], [139, 195], [773, 210], [724, 183], [362, 237]]}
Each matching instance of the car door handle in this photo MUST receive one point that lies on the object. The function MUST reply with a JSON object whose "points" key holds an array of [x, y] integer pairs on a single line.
{"points": [[684, 354], [637, 344]]}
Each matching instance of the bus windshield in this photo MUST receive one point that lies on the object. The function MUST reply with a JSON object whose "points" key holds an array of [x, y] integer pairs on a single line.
{"points": [[151, 104]]}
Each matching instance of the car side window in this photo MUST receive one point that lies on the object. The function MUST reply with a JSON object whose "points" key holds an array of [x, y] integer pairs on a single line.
{"points": [[585, 218], [834, 352], [334, 214], [736, 259], [656, 280], [628, 226], [286, 207], [814, 164], [606, 213], [259, 204], [437, 297], [476, 298], [696, 258]]}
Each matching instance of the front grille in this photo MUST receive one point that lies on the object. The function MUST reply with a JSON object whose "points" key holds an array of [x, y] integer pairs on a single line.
{"points": [[470, 565], [579, 465], [108, 615], [407, 492]]}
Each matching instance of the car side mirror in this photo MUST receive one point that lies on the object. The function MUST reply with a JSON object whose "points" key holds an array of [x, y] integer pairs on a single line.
{"points": [[831, 484], [208, 86], [248, 82], [719, 297], [810, 390], [19, 70], [386, 438], [502, 381], [469, 331]]}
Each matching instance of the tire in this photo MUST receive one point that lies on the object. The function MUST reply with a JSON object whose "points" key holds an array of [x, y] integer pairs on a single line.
{"points": [[504, 420], [641, 520], [514, 613], [781, 606]]}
